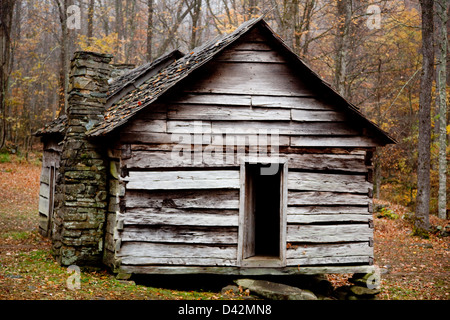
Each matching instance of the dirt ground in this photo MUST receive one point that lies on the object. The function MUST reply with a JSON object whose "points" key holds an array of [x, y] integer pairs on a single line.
{"points": [[411, 268]]}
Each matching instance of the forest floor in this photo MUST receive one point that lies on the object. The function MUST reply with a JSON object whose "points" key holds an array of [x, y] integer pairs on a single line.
{"points": [[411, 268]]}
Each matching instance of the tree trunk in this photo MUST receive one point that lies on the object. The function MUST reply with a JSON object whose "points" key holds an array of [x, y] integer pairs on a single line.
{"points": [[90, 25], [195, 15], [344, 15], [442, 15], [307, 21], [170, 33], [150, 30], [6, 16], [422, 212], [119, 30], [64, 55]]}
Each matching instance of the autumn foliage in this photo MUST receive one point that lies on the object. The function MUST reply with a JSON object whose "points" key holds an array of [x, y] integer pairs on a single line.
{"points": [[379, 68]]}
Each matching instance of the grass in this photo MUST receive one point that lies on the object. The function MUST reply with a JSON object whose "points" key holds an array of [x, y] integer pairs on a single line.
{"points": [[4, 158]]}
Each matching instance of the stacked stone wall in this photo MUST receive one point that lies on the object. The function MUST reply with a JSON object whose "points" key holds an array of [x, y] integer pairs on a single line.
{"points": [[81, 194]]}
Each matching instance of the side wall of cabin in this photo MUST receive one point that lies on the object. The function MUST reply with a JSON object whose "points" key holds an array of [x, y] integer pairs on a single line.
{"points": [[50, 165], [167, 210]]}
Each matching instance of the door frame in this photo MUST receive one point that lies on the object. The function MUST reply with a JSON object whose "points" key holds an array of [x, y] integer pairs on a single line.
{"points": [[243, 213]]}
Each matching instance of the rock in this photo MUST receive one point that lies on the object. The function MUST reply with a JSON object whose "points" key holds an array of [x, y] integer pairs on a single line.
{"points": [[341, 293], [123, 276], [320, 285], [361, 279], [230, 289], [362, 291], [275, 291]]}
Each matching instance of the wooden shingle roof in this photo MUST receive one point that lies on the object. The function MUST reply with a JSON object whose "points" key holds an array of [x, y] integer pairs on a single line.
{"points": [[129, 78], [143, 94], [57, 126], [119, 113]]}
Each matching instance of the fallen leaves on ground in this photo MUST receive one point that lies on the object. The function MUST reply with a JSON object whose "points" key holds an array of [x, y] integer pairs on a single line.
{"points": [[411, 267]]}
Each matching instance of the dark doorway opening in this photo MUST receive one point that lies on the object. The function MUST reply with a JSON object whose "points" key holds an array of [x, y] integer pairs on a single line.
{"points": [[263, 199]]}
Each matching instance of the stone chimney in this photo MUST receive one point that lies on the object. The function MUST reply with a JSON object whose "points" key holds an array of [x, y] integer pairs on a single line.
{"points": [[81, 192]]}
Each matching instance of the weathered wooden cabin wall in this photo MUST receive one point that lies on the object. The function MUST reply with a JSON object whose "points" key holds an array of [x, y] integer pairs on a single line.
{"points": [[50, 164], [181, 213]]}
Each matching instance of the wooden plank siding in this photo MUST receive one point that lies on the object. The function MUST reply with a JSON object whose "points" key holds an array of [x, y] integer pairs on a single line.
{"points": [[184, 211], [50, 165]]}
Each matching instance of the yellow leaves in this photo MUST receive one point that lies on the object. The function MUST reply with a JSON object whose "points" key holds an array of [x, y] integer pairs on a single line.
{"points": [[103, 44], [448, 129]]}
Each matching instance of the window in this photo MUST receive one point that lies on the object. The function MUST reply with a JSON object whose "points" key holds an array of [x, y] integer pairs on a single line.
{"points": [[262, 222]]}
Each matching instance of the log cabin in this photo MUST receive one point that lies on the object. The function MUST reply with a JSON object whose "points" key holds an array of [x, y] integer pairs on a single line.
{"points": [[234, 158]]}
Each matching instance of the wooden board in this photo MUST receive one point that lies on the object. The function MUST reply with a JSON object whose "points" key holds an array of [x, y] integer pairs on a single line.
{"points": [[166, 141], [43, 206], [320, 209], [328, 260], [329, 233], [329, 250], [176, 261], [144, 125], [295, 270], [302, 103], [243, 55], [341, 142], [281, 128], [178, 234], [50, 158], [164, 138], [176, 180], [191, 127], [260, 101], [307, 181], [249, 78], [44, 190], [335, 162], [211, 99], [327, 198], [230, 113], [169, 250], [330, 218], [150, 216], [190, 157], [313, 115], [192, 199], [253, 46], [179, 158]]}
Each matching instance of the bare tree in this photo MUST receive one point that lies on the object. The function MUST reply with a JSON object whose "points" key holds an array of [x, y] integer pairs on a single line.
{"points": [[150, 30], [442, 7], [62, 6], [422, 212], [6, 17], [195, 30], [119, 29], [344, 15], [90, 20], [180, 15]]}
